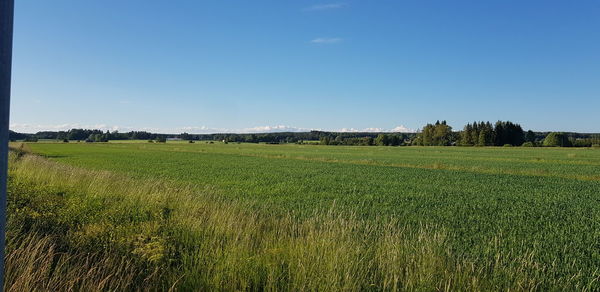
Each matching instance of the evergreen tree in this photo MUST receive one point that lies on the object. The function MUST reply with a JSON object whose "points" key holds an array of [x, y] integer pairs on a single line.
{"points": [[485, 137], [475, 134], [508, 133], [499, 134], [465, 135]]}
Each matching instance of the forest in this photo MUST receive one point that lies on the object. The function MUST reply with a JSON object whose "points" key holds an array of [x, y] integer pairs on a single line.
{"points": [[440, 133]]}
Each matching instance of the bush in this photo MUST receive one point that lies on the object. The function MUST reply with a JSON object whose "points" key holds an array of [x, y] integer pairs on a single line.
{"points": [[30, 139], [507, 145], [528, 144], [65, 140], [557, 139], [191, 141], [581, 143]]}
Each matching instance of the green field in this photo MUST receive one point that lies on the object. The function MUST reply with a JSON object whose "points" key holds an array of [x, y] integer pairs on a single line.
{"points": [[502, 218]]}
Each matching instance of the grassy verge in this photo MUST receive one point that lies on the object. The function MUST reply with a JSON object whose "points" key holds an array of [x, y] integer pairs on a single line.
{"points": [[76, 229]]}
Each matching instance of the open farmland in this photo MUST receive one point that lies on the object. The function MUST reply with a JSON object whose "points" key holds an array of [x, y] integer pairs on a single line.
{"points": [[520, 218]]}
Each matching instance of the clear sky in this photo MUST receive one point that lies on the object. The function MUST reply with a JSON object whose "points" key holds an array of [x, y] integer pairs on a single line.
{"points": [[241, 66]]}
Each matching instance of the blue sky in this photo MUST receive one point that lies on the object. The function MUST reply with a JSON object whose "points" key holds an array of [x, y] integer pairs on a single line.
{"points": [[243, 66]]}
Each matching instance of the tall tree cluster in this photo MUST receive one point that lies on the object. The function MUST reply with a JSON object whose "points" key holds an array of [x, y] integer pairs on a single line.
{"points": [[438, 134], [477, 134], [508, 133], [501, 133]]}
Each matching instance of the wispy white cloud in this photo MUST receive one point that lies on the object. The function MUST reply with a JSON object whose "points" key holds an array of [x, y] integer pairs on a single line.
{"points": [[199, 129], [273, 129], [326, 40], [403, 129], [324, 6], [398, 129], [33, 128], [258, 129], [365, 130]]}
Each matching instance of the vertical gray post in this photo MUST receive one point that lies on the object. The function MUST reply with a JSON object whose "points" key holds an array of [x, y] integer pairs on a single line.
{"points": [[6, 36]]}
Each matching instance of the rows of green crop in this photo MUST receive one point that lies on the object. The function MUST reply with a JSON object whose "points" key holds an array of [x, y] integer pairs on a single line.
{"points": [[73, 229], [572, 163], [553, 215]]}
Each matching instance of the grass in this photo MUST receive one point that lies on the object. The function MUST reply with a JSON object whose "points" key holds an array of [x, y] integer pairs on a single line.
{"points": [[302, 217]]}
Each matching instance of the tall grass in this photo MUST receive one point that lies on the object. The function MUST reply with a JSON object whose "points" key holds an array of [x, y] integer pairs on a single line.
{"points": [[76, 229], [34, 263]]}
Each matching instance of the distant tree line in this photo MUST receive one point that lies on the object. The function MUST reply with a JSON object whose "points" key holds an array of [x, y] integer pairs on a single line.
{"points": [[381, 139], [351, 138], [501, 133], [86, 135], [323, 138], [561, 139], [17, 136]]}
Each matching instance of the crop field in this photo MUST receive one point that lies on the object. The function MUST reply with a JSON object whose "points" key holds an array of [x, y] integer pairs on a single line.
{"points": [[464, 217]]}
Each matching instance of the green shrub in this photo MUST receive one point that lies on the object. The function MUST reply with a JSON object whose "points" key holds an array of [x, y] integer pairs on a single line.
{"points": [[581, 142], [507, 145], [528, 144], [557, 139]]}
